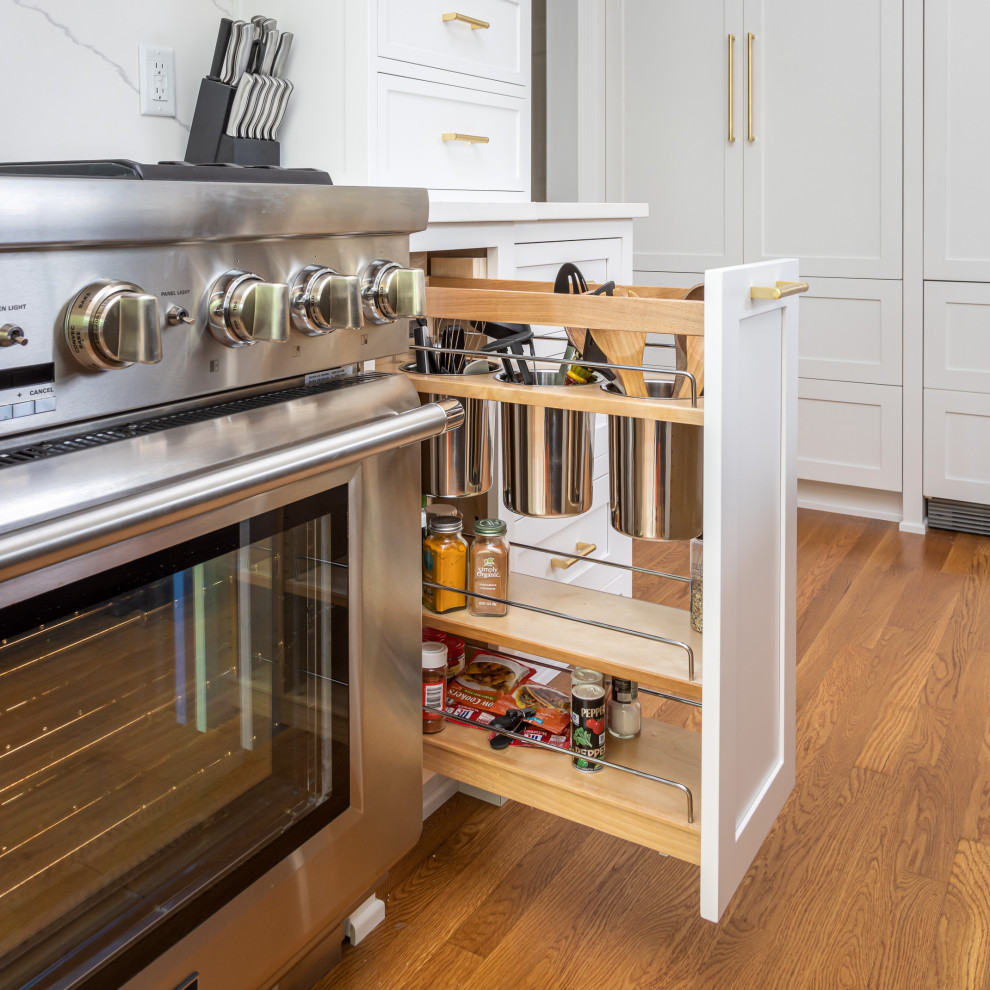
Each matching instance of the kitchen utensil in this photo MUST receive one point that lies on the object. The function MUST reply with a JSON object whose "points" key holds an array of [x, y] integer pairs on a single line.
{"points": [[625, 347], [282, 53], [656, 474], [689, 353], [220, 52], [547, 456], [511, 721], [510, 336], [230, 56], [569, 280], [285, 88], [262, 107], [477, 367], [245, 45], [240, 105]]}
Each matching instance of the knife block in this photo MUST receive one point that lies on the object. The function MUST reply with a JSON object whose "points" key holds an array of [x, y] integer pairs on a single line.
{"points": [[209, 141]]}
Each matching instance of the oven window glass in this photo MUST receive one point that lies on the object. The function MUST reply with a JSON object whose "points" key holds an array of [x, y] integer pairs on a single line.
{"points": [[169, 730]]}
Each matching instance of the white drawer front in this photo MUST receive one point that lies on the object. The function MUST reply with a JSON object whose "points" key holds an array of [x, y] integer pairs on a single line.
{"points": [[416, 32], [851, 331], [849, 434], [957, 442], [593, 527], [414, 115], [957, 336]]}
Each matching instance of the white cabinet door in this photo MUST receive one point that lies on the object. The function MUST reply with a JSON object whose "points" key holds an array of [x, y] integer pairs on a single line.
{"points": [[957, 336], [667, 130], [851, 330], [747, 734], [957, 142], [823, 171], [850, 434], [957, 438]]}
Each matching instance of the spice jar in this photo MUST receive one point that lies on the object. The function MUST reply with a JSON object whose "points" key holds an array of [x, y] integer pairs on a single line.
{"points": [[445, 562], [489, 566], [625, 714], [434, 685], [697, 567]]}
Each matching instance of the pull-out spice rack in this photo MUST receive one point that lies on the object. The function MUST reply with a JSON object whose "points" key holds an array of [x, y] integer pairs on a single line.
{"points": [[740, 768]]}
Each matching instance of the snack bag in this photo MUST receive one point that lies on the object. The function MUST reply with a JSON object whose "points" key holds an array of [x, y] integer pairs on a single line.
{"points": [[486, 684]]}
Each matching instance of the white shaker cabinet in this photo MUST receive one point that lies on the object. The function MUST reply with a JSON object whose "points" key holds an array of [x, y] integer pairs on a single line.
{"points": [[796, 151], [957, 141]]}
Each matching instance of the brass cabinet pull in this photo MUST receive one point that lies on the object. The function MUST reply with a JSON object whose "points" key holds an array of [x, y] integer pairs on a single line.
{"points": [[750, 136], [779, 291], [476, 24], [470, 138], [732, 41], [583, 549]]}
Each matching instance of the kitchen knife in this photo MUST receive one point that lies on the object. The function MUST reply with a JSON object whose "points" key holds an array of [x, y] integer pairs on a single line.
{"points": [[244, 47], [265, 87], [274, 102], [282, 53], [227, 73], [239, 106], [287, 88], [220, 52], [269, 47]]}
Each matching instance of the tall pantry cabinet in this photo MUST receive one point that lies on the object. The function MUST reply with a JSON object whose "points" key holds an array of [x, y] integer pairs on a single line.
{"points": [[763, 128], [956, 262]]}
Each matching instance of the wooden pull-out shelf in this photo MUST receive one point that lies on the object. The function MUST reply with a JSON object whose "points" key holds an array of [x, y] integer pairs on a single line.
{"points": [[657, 665], [610, 800], [586, 398]]}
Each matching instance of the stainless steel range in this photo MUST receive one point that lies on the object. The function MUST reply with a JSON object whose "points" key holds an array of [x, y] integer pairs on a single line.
{"points": [[209, 610]]}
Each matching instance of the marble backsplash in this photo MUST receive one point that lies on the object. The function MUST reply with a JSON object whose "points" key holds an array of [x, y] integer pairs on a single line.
{"points": [[70, 75]]}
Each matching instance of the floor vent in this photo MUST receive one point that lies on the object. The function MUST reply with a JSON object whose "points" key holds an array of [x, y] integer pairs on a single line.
{"points": [[963, 517]]}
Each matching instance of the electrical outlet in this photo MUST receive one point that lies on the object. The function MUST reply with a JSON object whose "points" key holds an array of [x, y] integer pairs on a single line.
{"points": [[157, 72]]}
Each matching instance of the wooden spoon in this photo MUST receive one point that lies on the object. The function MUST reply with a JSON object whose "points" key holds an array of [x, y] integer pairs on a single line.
{"points": [[690, 353], [625, 347]]}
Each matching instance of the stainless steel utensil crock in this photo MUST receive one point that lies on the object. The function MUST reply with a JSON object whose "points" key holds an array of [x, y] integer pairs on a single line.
{"points": [[547, 457], [460, 462], [655, 474]]}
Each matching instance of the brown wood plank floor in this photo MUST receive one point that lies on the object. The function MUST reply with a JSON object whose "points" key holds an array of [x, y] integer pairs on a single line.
{"points": [[876, 875]]}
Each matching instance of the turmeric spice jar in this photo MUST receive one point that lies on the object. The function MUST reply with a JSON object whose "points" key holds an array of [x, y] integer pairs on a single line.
{"points": [[445, 562], [489, 566]]}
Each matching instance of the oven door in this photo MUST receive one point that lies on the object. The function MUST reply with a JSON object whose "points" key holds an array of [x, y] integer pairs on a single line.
{"points": [[209, 717]]}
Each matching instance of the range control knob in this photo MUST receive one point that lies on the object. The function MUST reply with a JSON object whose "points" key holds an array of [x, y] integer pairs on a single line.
{"points": [[111, 325], [244, 309], [323, 300], [391, 292]]}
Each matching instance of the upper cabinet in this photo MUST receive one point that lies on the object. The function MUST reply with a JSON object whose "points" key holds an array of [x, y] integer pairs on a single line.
{"points": [[759, 129], [957, 142], [394, 93]]}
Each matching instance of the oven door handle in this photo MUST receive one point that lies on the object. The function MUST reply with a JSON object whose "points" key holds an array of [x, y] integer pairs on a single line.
{"points": [[71, 535]]}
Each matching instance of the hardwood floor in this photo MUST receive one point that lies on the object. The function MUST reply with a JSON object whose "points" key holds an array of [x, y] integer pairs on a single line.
{"points": [[876, 875]]}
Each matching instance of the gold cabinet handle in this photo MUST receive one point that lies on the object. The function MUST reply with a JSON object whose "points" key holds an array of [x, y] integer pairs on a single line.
{"points": [[750, 136], [476, 24], [470, 138], [778, 291], [732, 41], [583, 549]]}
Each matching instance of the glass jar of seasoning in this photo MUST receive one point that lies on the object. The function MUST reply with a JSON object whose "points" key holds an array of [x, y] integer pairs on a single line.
{"points": [[697, 573], [625, 714], [445, 555], [489, 566], [434, 685]]}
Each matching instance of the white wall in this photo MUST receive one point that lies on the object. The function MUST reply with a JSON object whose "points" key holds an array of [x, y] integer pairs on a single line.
{"points": [[69, 76]]}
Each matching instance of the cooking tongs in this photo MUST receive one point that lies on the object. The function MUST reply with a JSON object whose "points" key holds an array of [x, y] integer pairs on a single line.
{"points": [[510, 337]]}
